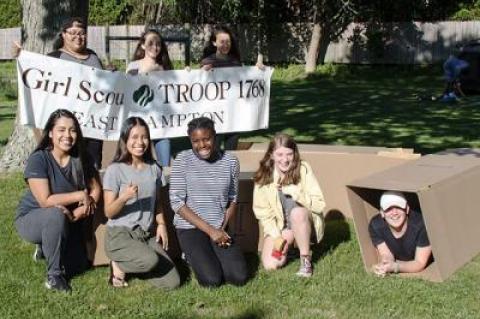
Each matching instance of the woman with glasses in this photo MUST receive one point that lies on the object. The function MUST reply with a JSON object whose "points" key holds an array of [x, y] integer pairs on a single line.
{"points": [[71, 45]]}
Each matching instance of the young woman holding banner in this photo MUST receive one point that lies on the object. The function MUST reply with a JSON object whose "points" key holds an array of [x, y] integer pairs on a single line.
{"points": [[71, 45], [222, 51], [133, 204], [63, 192], [288, 202], [151, 55]]}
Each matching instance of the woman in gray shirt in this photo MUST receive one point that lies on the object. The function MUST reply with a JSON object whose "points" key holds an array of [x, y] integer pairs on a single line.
{"points": [[132, 187]]}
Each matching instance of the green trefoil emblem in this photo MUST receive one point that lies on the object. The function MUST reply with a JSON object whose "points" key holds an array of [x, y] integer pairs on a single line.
{"points": [[143, 95]]}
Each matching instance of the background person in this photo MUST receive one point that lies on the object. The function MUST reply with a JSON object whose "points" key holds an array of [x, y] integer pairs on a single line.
{"points": [[151, 55], [132, 187], [63, 190], [222, 51], [400, 236], [452, 68], [203, 194], [287, 201], [71, 45]]}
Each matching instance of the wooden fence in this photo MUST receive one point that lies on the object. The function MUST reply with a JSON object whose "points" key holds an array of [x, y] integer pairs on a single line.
{"points": [[404, 43]]}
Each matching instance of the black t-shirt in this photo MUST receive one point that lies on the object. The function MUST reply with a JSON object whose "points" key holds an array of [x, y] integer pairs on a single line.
{"points": [[42, 164], [217, 62], [402, 248]]}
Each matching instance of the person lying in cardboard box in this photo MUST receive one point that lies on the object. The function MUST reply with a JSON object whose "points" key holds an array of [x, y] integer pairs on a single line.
{"points": [[400, 237]]}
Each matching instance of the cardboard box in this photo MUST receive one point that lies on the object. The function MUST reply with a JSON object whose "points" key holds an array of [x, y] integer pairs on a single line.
{"points": [[108, 151], [445, 189], [244, 225], [95, 247], [335, 166]]}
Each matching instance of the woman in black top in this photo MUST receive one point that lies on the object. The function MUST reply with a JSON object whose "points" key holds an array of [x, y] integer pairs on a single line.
{"points": [[63, 190], [222, 51]]}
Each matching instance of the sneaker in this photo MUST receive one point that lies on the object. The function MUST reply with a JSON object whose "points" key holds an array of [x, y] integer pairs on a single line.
{"points": [[38, 253], [306, 269], [57, 282]]}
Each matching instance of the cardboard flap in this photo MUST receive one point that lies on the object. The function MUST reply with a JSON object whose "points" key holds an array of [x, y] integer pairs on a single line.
{"points": [[402, 154], [419, 174], [259, 147]]}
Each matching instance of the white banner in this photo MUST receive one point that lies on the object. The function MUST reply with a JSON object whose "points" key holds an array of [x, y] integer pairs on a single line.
{"points": [[237, 99]]}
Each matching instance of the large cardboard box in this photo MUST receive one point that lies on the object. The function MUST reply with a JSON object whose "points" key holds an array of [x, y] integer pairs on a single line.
{"points": [[445, 187], [335, 166]]}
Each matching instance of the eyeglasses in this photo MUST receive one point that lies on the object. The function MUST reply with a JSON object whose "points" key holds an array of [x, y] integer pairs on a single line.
{"points": [[76, 34]]}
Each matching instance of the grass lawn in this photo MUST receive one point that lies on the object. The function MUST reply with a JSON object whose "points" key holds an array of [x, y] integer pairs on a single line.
{"points": [[338, 105]]}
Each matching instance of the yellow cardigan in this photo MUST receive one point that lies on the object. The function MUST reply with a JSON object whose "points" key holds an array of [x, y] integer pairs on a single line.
{"points": [[268, 208]]}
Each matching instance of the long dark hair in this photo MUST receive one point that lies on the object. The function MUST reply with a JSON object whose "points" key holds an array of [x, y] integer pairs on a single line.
{"points": [[80, 164], [211, 49], [68, 23], [264, 174], [78, 149], [121, 154], [163, 58]]}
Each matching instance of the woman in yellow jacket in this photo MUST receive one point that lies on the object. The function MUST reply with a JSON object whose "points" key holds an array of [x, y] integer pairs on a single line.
{"points": [[288, 202]]}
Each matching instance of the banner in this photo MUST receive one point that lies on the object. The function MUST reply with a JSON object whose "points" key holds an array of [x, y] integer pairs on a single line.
{"points": [[236, 99]]}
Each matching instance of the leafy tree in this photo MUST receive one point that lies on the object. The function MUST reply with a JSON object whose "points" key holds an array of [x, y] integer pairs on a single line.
{"points": [[41, 23], [470, 10], [330, 18], [111, 12]]}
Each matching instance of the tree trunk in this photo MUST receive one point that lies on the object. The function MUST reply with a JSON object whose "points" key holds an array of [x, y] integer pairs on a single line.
{"points": [[313, 49], [41, 23]]}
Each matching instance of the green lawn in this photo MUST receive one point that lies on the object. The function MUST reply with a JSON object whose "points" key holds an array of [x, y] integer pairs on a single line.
{"points": [[340, 288], [338, 105]]}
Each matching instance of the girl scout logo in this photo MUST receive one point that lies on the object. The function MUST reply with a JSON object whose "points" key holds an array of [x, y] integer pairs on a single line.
{"points": [[143, 95]]}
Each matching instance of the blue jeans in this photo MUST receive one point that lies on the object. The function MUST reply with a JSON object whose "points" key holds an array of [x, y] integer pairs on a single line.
{"points": [[162, 151]]}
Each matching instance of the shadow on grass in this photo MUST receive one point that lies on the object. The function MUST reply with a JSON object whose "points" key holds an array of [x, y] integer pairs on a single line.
{"points": [[251, 314], [252, 259], [253, 264], [337, 231], [368, 107]]}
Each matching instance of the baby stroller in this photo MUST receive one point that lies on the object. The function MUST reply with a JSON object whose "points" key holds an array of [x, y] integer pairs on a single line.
{"points": [[452, 69]]}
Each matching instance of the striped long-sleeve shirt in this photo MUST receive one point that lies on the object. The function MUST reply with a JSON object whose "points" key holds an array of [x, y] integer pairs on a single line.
{"points": [[205, 187]]}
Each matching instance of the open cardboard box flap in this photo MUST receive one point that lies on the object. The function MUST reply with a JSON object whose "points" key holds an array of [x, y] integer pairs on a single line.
{"points": [[445, 189]]}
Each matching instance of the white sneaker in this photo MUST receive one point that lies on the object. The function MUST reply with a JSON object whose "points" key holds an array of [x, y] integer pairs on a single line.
{"points": [[306, 268]]}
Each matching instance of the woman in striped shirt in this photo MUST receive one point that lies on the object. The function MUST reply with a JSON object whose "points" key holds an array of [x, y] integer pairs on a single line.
{"points": [[203, 194]]}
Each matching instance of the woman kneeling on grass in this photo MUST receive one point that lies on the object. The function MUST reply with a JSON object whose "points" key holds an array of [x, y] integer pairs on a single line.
{"points": [[63, 192], [132, 188], [287, 200], [203, 194]]}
